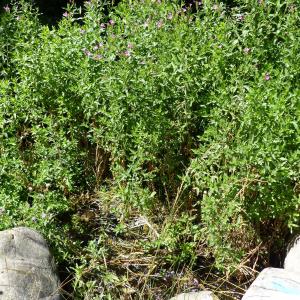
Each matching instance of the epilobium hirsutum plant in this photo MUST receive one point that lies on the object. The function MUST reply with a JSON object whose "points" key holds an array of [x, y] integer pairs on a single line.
{"points": [[246, 168], [169, 125]]}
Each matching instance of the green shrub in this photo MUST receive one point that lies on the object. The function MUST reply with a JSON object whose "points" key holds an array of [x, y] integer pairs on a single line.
{"points": [[246, 168], [151, 110]]}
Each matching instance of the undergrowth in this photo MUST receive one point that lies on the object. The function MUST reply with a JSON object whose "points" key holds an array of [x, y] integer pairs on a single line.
{"points": [[155, 145]]}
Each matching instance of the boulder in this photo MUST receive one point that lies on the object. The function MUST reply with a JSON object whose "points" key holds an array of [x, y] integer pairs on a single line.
{"points": [[274, 284], [292, 260], [204, 295], [27, 269]]}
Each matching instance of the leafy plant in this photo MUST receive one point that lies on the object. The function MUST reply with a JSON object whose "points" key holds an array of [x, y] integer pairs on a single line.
{"points": [[166, 129]]}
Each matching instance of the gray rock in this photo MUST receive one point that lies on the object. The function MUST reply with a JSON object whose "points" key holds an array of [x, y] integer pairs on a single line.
{"points": [[292, 260], [27, 269], [275, 284], [204, 295]]}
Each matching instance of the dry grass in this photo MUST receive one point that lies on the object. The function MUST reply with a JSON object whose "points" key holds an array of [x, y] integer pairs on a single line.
{"points": [[127, 269]]}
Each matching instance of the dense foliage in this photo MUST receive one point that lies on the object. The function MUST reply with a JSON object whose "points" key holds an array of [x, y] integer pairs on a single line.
{"points": [[170, 130]]}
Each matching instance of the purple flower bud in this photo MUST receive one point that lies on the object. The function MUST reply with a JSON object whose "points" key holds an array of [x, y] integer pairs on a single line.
{"points": [[6, 8], [184, 9], [111, 22], [267, 77]]}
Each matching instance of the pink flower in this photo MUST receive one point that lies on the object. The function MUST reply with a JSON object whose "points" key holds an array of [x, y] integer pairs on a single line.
{"points": [[267, 77], [241, 17], [6, 8], [111, 22], [129, 45], [87, 52], [247, 50], [160, 23], [66, 14], [127, 53], [98, 57]]}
